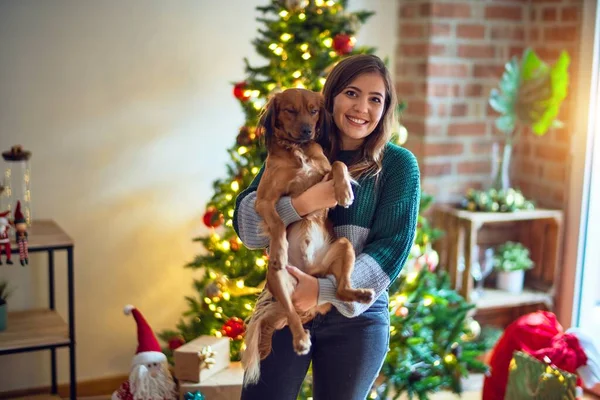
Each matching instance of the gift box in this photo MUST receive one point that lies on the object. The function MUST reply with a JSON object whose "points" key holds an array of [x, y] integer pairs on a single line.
{"points": [[532, 379], [201, 358], [225, 385]]}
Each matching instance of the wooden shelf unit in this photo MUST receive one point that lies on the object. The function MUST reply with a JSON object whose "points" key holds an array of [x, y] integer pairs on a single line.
{"points": [[45, 329], [539, 230]]}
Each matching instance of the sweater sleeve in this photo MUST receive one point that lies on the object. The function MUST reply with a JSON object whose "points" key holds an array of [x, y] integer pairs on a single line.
{"points": [[390, 237], [248, 224]]}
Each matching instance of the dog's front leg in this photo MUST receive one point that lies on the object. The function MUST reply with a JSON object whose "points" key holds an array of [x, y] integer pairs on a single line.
{"points": [[342, 184], [278, 246]]}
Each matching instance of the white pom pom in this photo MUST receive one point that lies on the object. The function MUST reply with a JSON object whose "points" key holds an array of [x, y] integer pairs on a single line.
{"points": [[127, 309]]}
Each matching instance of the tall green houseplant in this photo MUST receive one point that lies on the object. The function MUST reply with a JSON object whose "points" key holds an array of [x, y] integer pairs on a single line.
{"points": [[529, 95]]}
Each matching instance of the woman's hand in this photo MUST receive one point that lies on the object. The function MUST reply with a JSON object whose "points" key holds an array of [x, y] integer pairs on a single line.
{"points": [[317, 197], [306, 294]]}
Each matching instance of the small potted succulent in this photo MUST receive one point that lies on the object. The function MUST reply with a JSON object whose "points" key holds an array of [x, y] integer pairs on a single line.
{"points": [[5, 292], [511, 260]]}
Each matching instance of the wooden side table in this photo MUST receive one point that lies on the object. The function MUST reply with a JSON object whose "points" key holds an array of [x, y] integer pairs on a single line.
{"points": [[539, 230], [44, 329]]}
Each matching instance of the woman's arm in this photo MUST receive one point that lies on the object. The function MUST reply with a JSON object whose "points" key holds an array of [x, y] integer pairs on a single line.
{"points": [[248, 224], [390, 237]]}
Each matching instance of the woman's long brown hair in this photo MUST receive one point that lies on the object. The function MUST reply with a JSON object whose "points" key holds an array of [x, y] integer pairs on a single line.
{"points": [[368, 161]]}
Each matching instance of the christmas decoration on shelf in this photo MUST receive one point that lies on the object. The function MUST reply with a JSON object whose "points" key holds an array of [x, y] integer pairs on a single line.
{"points": [[176, 342], [21, 235], [5, 238], [149, 377], [193, 396], [493, 200], [16, 181], [296, 40]]}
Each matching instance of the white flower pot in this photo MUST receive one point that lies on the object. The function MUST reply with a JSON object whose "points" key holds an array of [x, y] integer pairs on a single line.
{"points": [[511, 281]]}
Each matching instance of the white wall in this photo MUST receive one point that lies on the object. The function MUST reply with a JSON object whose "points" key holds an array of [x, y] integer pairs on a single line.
{"points": [[127, 108]]}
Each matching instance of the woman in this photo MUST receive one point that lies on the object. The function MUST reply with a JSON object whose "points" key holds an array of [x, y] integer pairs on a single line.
{"points": [[350, 342]]}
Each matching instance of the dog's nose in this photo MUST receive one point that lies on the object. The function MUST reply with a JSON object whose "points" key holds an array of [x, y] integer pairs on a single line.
{"points": [[306, 130]]}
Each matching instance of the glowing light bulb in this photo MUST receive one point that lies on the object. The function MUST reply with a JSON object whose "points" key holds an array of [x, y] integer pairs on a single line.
{"points": [[260, 262], [225, 245], [228, 197], [319, 3], [235, 186], [304, 46], [226, 295], [254, 170], [301, 16], [306, 56], [242, 150], [283, 13], [230, 213], [328, 42], [207, 300], [273, 46], [285, 37], [297, 74], [278, 51], [427, 301], [412, 277]]}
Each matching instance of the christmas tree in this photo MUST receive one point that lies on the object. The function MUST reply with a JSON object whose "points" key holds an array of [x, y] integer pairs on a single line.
{"points": [[301, 40], [433, 341]]}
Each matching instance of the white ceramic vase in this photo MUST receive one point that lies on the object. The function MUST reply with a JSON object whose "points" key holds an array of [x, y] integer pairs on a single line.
{"points": [[511, 281]]}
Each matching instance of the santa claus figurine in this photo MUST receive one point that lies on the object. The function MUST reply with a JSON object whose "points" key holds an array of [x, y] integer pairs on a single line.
{"points": [[21, 235], [149, 378], [4, 240]]}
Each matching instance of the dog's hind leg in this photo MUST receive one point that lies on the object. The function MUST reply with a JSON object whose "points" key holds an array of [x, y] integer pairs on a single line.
{"points": [[339, 261]]}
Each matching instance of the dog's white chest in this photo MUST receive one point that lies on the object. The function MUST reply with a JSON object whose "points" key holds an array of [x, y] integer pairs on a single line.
{"points": [[308, 167], [308, 243]]}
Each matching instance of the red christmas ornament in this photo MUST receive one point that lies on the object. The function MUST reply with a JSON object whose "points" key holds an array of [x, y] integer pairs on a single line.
{"points": [[234, 244], [343, 44], [212, 217], [233, 328], [239, 91], [176, 342]]}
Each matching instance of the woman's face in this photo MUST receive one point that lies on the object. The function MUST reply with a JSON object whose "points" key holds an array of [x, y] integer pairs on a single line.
{"points": [[358, 108]]}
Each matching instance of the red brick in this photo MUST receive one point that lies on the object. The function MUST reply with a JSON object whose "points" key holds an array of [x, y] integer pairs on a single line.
{"points": [[443, 149], [439, 90], [459, 110], [554, 172], [418, 108], [440, 29], [450, 10], [551, 153], [437, 169], [414, 126], [534, 34], [467, 129], [561, 33], [507, 32], [481, 148], [447, 70], [404, 88], [413, 50], [435, 129], [476, 51], [470, 31], [548, 54], [435, 49], [570, 14], [512, 13], [515, 51], [488, 71], [412, 31], [549, 14], [474, 167], [409, 10], [473, 90]]}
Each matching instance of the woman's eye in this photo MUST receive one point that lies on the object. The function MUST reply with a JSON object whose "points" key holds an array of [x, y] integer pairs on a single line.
{"points": [[376, 100], [351, 93]]}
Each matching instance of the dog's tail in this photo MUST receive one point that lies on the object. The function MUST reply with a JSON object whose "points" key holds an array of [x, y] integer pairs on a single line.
{"points": [[252, 353]]}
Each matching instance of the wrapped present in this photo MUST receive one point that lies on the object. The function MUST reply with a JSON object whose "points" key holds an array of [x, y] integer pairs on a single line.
{"points": [[532, 379], [225, 385], [201, 358]]}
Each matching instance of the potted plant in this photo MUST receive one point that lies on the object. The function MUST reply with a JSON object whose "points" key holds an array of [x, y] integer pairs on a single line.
{"points": [[529, 95], [511, 260], [5, 292]]}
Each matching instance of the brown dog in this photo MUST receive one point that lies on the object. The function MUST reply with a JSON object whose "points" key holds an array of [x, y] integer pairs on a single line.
{"points": [[295, 162]]}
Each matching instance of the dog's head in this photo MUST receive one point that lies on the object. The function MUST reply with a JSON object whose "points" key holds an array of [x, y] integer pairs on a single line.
{"points": [[295, 115]]}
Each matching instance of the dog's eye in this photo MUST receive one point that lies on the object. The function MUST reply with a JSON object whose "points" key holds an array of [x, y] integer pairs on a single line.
{"points": [[291, 111], [314, 112]]}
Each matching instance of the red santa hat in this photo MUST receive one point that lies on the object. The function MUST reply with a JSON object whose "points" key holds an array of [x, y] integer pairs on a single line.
{"points": [[4, 214], [19, 218], [148, 350]]}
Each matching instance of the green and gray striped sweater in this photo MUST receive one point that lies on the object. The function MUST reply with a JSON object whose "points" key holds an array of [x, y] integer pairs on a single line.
{"points": [[381, 224]]}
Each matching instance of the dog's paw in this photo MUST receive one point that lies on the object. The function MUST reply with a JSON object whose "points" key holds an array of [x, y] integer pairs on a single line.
{"points": [[302, 344], [344, 194], [365, 295]]}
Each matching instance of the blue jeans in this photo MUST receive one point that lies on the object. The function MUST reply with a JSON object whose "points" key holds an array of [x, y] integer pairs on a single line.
{"points": [[346, 355]]}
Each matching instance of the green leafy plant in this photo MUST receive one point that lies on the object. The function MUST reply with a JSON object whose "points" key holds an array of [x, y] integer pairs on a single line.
{"points": [[512, 256], [530, 94], [5, 292]]}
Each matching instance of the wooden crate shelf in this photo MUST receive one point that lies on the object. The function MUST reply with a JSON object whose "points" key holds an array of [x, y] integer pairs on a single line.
{"points": [[34, 328], [539, 230]]}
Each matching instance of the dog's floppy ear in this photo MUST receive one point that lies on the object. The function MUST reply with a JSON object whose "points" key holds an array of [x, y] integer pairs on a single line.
{"points": [[324, 122], [268, 119]]}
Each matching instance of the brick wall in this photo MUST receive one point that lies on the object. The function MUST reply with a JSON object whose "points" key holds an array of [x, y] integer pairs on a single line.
{"points": [[450, 55]]}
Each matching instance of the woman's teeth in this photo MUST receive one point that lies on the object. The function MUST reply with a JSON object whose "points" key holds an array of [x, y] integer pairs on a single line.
{"points": [[357, 120]]}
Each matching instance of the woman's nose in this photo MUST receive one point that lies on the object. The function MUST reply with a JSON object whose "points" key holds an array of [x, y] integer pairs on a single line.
{"points": [[361, 105]]}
